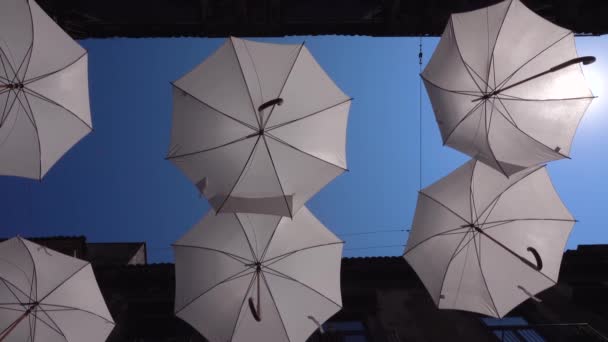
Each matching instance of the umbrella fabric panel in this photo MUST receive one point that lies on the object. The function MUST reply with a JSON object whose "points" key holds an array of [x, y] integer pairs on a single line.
{"points": [[16, 33], [463, 285], [217, 182], [266, 68], [301, 267], [192, 285], [52, 269], [215, 313], [17, 270], [191, 117], [219, 83], [52, 49], [259, 229], [49, 119], [308, 90], [301, 174], [476, 35], [270, 328], [259, 179], [302, 232], [321, 134], [295, 303]]}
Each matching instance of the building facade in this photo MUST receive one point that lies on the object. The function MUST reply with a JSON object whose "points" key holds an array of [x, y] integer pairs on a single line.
{"points": [[384, 301]]}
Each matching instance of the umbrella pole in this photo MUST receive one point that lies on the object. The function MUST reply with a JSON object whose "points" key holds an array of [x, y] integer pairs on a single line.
{"points": [[13, 325], [255, 309], [536, 267], [585, 60]]}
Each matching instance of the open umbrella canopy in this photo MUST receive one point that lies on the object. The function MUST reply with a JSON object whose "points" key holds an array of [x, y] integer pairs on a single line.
{"points": [[483, 242], [259, 127], [44, 93], [47, 296], [252, 277], [507, 87]]}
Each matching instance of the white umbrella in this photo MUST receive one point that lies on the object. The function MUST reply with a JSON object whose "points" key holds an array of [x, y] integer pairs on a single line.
{"points": [[507, 87], [483, 242], [44, 98], [47, 296], [253, 277], [259, 127]]}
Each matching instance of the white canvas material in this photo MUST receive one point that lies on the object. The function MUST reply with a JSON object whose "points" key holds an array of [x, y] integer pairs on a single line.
{"points": [[288, 268], [259, 127], [48, 296], [485, 243], [487, 101], [44, 92]]}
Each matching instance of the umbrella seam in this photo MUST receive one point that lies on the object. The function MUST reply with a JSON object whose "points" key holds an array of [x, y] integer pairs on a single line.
{"points": [[275, 306], [238, 61], [276, 173], [284, 83], [308, 115], [233, 256], [477, 252], [32, 119], [303, 152], [214, 109], [240, 175], [38, 78]]}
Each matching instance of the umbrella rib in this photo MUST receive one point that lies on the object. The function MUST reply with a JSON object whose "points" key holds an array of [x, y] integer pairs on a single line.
{"points": [[63, 282], [502, 23], [466, 116], [238, 316], [488, 126], [473, 207], [253, 253], [451, 23], [459, 92], [309, 115], [306, 153], [42, 97], [534, 139], [272, 260], [269, 242], [441, 204], [276, 173], [4, 66], [71, 308], [510, 251], [233, 256], [7, 283], [238, 61], [285, 276], [214, 109], [478, 254], [528, 219], [37, 78], [34, 284], [57, 330], [516, 98], [208, 149], [447, 232], [240, 175], [32, 119], [508, 78], [454, 254], [284, 83], [275, 306], [235, 276], [28, 56], [510, 186], [507, 115]]}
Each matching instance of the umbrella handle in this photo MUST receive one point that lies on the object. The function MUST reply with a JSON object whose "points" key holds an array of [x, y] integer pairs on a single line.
{"points": [[277, 101], [539, 261], [254, 312]]}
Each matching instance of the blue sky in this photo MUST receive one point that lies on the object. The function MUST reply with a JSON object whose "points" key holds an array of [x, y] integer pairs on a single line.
{"points": [[116, 186]]}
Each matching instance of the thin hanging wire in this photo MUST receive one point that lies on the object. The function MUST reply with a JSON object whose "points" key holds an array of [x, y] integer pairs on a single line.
{"points": [[420, 114]]}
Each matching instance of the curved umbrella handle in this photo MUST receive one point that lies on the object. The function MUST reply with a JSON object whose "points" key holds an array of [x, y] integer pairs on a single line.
{"points": [[539, 261], [277, 101], [254, 312]]}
